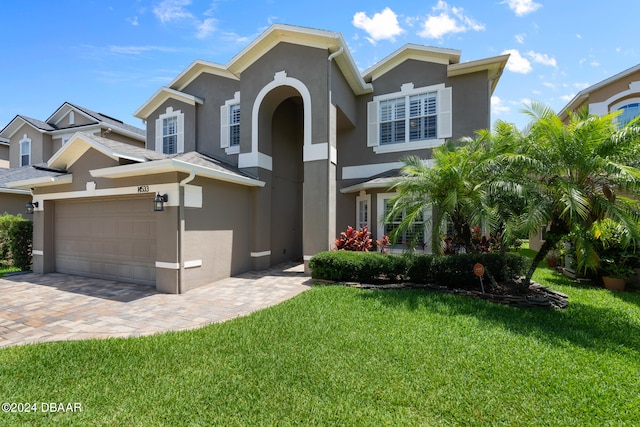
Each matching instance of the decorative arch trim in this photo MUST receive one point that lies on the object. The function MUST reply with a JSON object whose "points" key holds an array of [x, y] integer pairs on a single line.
{"points": [[311, 151]]}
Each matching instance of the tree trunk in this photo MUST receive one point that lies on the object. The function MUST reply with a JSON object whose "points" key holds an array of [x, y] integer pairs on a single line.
{"points": [[556, 232], [544, 249]]}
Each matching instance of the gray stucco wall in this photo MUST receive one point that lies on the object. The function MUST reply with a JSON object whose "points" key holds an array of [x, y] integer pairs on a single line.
{"points": [[219, 233], [215, 90], [190, 123]]}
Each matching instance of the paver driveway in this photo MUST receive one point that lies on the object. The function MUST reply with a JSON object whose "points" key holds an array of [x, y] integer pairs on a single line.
{"points": [[57, 307]]}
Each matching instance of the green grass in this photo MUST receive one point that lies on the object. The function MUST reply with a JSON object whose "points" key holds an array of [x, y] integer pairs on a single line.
{"points": [[342, 356], [5, 270]]}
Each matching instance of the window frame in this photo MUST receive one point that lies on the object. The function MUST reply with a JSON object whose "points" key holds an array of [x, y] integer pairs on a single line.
{"points": [[623, 104], [227, 125], [443, 118], [381, 203], [25, 142], [160, 126], [366, 199]]}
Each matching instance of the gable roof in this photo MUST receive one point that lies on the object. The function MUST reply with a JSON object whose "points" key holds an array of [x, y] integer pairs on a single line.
{"points": [[412, 51], [161, 96], [583, 95], [144, 162], [50, 125], [276, 33]]}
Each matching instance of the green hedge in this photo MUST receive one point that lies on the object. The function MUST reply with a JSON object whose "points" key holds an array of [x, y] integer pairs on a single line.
{"points": [[445, 270], [16, 241]]}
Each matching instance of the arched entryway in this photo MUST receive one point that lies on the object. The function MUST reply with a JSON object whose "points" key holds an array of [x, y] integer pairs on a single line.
{"points": [[287, 181]]}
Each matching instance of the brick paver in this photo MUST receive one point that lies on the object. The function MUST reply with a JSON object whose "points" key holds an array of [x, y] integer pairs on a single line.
{"points": [[58, 307]]}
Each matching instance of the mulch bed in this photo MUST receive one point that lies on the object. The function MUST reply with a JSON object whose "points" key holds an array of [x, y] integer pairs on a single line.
{"points": [[535, 295]]}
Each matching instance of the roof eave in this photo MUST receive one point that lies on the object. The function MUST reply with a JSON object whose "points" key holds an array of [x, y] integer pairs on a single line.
{"points": [[43, 181], [172, 165], [412, 51], [494, 67], [161, 96]]}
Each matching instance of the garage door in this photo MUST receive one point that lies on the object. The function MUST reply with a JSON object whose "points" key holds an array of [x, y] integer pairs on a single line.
{"points": [[112, 239]]}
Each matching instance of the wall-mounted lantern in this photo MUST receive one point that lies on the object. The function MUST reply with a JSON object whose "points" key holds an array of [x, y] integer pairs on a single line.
{"points": [[159, 201], [29, 207]]}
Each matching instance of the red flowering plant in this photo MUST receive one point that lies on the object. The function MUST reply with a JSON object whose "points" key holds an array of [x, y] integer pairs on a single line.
{"points": [[383, 244], [354, 240]]}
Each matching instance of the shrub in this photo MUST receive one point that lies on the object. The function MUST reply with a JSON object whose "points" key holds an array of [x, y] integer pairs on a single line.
{"points": [[354, 240], [16, 234], [450, 271], [346, 266]]}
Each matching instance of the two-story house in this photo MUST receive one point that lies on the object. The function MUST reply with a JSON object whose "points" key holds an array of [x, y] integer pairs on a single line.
{"points": [[27, 144], [618, 93], [253, 163]]}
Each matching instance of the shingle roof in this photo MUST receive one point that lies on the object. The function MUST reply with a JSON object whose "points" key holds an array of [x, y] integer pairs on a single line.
{"points": [[37, 123], [110, 120], [127, 150], [26, 172], [199, 159]]}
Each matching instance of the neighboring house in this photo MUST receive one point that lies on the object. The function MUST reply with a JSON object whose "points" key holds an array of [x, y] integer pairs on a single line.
{"points": [[262, 160], [27, 143], [620, 92], [4, 153]]}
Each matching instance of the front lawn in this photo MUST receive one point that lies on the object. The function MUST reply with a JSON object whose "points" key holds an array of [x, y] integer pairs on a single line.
{"points": [[342, 356]]}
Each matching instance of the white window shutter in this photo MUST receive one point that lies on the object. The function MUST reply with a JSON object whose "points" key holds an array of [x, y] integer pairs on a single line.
{"points": [[224, 126], [180, 135], [445, 117], [159, 135], [372, 121]]}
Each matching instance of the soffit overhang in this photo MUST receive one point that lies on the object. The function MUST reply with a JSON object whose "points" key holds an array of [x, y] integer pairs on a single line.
{"points": [[494, 67], [412, 51], [163, 94], [173, 165]]}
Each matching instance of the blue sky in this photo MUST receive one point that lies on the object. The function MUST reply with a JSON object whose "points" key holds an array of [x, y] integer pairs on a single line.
{"points": [[111, 56]]}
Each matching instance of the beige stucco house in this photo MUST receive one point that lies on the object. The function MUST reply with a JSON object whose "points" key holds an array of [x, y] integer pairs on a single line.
{"points": [[619, 93], [26, 145], [261, 160]]}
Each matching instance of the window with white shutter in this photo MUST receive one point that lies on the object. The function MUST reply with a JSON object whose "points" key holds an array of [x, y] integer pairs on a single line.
{"points": [[412, 119]]}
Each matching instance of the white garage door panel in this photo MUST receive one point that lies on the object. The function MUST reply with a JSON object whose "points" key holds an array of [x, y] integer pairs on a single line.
{"points": [[112, 239]]}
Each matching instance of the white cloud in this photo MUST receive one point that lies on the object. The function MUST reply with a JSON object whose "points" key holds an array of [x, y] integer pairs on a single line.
{"points": [[450, 20], [168, 11], [520, 38], [133, 21], [383, 25], [567, 98], [542, 58], [137, 50], [594, 63], [522, 7], [517, 63], [579, 36], [205, 28], [172, 10], [498, 107]]}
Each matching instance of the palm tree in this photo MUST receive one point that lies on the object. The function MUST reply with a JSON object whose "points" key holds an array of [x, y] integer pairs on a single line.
{"points": [[451, 187], [572, 175]]}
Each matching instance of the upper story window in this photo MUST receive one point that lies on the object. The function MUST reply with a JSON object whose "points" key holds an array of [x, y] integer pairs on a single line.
{"points": [[628, 113], [414, 118], [170, 132], [230, 125], [25, 151]]}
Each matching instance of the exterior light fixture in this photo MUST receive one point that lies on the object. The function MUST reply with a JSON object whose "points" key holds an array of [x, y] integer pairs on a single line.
{"points": [[159, 201], [29, 207]]}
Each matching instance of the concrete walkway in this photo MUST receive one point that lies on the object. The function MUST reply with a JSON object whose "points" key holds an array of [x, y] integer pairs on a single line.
{"points": [[58, 307]]}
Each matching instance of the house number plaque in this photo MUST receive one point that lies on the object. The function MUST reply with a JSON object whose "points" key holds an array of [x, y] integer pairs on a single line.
{"points": [[143, 189]]}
